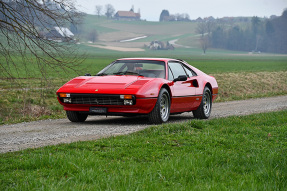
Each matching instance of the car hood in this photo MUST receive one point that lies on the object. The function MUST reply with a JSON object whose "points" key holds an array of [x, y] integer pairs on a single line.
{"points": [[105, 84]]}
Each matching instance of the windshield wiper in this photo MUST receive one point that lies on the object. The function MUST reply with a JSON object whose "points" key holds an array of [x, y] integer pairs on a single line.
{"points": [[119, 73], [102, 74], [127, 73]]}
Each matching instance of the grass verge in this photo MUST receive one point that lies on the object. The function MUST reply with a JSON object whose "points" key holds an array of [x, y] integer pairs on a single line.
{"points": [[235, 153], [245, 85]]}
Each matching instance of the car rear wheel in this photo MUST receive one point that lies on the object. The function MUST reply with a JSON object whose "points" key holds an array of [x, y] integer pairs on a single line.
{"points": [[75, 116], [161, 110], [204, 109]]}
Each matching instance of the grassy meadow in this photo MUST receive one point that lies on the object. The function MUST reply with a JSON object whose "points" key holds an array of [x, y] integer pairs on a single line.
{"points": [[31, 97], [234, 153]]}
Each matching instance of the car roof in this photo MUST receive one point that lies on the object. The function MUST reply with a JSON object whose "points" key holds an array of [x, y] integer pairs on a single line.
{"points": [[157, 59]]}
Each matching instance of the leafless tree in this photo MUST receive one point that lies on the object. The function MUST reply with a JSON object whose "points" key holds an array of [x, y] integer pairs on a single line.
{"points": [[204, 43], [210, 25], [205, 28], [110, 10], [201, 28], [99, 10], [23, 25], [186, 17], [93, 35]]}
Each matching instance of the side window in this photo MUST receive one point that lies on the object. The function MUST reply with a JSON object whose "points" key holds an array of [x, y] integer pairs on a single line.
{"points": [[189, 72], [176, 69], [170, 75]]}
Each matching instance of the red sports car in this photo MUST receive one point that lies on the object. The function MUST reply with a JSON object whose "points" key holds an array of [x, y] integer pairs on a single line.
{"points": [[156, 87]]}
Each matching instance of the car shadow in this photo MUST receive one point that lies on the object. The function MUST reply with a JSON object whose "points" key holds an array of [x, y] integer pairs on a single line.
{"points": [[135, 120]]}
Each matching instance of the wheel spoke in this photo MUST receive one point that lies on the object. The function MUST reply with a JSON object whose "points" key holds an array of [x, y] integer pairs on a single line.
{"points": [[164, 102], [206, 103]]}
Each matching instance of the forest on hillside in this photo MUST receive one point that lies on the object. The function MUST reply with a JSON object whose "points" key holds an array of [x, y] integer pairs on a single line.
{"points": [[268, 35]]}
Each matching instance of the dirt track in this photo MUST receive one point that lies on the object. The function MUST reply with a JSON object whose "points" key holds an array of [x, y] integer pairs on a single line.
{"points": [[50, 132]]}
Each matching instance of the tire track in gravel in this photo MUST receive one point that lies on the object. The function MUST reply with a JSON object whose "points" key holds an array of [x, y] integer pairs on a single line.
{"points": [[51, 132]]}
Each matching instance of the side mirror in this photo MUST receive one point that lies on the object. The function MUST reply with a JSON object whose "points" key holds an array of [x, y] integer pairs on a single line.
{"points": [[87, 74], [180, 78]]}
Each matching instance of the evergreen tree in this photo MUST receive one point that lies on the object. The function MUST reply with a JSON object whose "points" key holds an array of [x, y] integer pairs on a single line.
{"points": [[164, 15]]}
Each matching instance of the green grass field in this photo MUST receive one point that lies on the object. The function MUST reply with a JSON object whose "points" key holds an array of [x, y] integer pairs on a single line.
{"points": [[31, 96], [239, 77], [215, 62], [154, 30], [235, 153]]}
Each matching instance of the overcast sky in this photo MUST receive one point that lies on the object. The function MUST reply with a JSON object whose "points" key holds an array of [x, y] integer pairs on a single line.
{"points": [[151, 9]]}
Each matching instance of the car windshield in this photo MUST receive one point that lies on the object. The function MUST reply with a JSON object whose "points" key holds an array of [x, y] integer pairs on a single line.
{"points": [[146, 68]]}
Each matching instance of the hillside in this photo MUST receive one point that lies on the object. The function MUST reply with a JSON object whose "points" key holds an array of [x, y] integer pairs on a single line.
{"points": [[112, 32]]}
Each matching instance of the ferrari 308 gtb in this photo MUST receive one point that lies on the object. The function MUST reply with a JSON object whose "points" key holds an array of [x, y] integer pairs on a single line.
{"points": [[156, 87]]}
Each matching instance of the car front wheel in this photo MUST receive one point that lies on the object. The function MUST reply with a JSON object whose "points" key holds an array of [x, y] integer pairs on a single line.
{"points": [[204, 109], [75, 116], [161, 110]]}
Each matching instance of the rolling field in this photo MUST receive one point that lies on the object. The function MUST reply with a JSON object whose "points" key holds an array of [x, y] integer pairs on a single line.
{"points": [[111, 32], [30, 97], [138, 27]]}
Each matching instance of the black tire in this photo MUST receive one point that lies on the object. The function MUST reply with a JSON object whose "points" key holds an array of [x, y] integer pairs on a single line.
{"points": [[161, 110], [204, 109], [75, 116]]}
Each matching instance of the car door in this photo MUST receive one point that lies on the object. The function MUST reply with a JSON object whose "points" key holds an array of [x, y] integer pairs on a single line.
{"points": [[183, 92]]}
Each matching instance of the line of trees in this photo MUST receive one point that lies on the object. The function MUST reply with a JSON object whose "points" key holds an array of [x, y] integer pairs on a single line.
{"points": [[165, 16], [109, 10], [268, 35]]}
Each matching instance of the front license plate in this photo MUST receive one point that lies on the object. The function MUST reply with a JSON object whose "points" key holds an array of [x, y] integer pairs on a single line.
{"points": [[98, 110]]}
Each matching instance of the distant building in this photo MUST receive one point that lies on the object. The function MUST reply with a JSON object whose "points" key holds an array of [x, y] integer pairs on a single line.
{"points": [[127, 16], [273, 17], [60, 34], [209, 19], [199, 19], [159, 45]]}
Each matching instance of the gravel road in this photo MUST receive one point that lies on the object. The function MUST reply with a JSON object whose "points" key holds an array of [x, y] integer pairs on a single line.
{"points": [[50, 132]]}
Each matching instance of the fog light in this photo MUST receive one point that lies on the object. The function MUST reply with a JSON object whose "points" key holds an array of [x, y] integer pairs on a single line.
{"points": [[128, 102], [67, 100]]}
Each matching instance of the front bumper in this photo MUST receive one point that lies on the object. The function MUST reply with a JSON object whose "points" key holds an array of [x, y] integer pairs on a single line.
{"points": [[142, 106]]}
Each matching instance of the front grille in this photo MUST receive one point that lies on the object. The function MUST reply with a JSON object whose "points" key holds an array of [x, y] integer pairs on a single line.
{"points": [[105, 100], [95, 99]]}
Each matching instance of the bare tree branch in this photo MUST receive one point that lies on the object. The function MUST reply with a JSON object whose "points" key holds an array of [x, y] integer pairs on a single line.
{"points": [[99, 10], [23, 25], [205, 29]]}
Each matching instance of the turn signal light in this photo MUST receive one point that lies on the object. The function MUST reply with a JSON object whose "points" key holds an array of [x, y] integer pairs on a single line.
{"points": [[126, 96], [64, 95]]}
